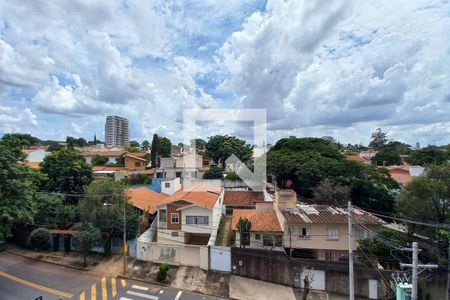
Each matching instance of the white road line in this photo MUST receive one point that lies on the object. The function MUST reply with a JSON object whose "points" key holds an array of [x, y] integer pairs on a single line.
{"points": [[142, 295], [123, 298], [178, 295], [138, 287], [161, 291]]}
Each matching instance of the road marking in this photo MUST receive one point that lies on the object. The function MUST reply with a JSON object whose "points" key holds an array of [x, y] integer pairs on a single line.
{"points": [[36, 286], [83, 296], [178, 295], [123, 282], [123, 298], [104, 291], [113, 287], [138, 287], [142, 295], [94, 291]]}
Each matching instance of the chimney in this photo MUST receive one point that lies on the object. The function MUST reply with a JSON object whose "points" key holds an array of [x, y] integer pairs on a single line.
{"points": [[285, 199]]}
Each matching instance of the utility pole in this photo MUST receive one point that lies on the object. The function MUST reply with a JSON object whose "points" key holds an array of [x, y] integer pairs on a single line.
{"points": [[351, 289], [124, 228], [290, 242], [415, 266], [448, 270]]}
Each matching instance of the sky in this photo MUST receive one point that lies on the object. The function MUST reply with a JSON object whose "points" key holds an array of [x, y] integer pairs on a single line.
{"points": [[340, 68]]}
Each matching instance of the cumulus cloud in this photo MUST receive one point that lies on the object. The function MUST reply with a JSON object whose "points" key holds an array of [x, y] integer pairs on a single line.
{"points": [[13, 118]]}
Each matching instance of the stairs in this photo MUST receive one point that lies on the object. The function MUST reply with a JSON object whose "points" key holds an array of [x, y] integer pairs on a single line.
{"points": [[223, 239]]}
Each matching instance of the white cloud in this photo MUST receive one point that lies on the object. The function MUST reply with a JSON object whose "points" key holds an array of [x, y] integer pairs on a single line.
{"points": [[12, 119]]}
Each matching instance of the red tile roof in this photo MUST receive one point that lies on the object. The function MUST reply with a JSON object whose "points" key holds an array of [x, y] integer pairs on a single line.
{"points": [[135, 157], [199, 195], [261, 220], [355, 158], [145, 199], [106, 168], [242, 197], [103, 153], [31, 164]]}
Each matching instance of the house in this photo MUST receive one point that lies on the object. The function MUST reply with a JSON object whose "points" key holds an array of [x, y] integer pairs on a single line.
{"points": [[188, 166], [112, 171], [245, 200], [320, 231], [176, 151], [357, 158], [144, 199], [189, 216], [112, 156], [265, 231], [36, 154], [133, 162], [405, 173], [170, 185]]}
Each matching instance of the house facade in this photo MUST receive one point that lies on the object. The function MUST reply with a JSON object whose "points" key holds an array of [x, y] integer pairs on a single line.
{"points": [[188, 166], [112, 156]]}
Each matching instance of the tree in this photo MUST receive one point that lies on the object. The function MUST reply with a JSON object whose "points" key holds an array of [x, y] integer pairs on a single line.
{"points": [[232, 176], [244, 226], [99, 160], [213, 173], [67, 171], [40, 239], [146, 145], [331, 194], [199, 143], [387, 156], [16, 142], [431, 191], [18, 186], [221, 147], [52, 211], [379, 139], [156, 150], [305, 162], [428, 155], [86, 237], [102, 205], [166, 146], [135, 144]]}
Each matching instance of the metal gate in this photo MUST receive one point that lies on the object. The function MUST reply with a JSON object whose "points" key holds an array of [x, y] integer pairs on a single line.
{"points": [[220, 258]]}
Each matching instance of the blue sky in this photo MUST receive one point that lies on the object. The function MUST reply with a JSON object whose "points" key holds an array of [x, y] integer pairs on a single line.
{"points": [[341, 69]]}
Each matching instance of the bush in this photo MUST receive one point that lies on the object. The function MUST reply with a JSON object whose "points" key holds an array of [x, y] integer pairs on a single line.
{"points": [[40, 239], [162, 273]]}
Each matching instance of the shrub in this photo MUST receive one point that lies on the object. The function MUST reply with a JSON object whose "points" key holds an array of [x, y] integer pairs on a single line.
{"points": [[40, 239], [162, 273]]}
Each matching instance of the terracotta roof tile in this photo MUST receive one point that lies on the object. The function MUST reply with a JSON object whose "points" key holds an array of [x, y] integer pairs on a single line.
{"points": [[135, 157], [200, 195], [261, 220], [145, 199], [103, 153], [243, 197]]}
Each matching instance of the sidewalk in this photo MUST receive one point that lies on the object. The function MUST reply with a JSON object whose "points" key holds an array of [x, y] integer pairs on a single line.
{"points": [[97, 263]]}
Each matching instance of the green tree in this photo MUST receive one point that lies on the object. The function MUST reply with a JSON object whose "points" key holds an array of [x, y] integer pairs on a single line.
{"points": [[135, 144], [102, 206], [199, 143], [166, 145], [428, 155], [305, 162], [244, 226], [331, 194], [379, 139], [146, 145], [40, 239], [156, 150], [213, 173], [86, 237], [387, 156], [18, 186], [15, 142], [431, 191], [67, 171], [52, 211], [232, 176], [221, 147], [99, 160]]}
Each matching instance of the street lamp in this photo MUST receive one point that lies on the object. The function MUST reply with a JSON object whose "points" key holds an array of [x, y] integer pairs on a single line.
{"points": [[124, 229]]}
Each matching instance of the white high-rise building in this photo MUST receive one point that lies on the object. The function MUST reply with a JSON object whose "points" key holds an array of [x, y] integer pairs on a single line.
{"points": [[116, 131]]}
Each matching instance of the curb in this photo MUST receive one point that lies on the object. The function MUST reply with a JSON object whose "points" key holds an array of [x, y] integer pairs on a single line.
{"points": [[47, 261]]}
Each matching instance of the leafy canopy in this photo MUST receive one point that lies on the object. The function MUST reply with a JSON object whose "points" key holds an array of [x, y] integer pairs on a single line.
{"points": [[428, 155], [221, 147], [379, 139]]}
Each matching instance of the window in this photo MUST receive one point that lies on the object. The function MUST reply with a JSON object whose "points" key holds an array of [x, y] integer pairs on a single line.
{"points": [[167, 184], [116, 159], [175, 218], [305, 232], [174, 233], [333, 233], [257, 236], [137, 164], [271, 240], [198, 220], [162, 215], [360, 233], [177, 174]]}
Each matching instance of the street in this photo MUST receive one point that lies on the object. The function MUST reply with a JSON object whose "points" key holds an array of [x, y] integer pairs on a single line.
{"points": [[23, 279]]}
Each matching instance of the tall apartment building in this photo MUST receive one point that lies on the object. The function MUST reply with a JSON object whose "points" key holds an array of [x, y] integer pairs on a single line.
{"points": [[116, 131]]}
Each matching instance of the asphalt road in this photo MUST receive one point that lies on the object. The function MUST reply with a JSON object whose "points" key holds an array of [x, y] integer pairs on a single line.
{"points": [[27, 279]]}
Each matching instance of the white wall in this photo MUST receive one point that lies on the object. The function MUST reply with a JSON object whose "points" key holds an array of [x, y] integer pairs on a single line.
{"points": [[37, 156], [196, 228], [174, 185]]}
